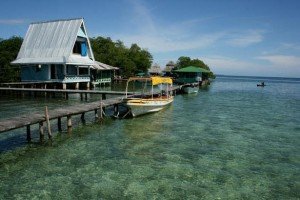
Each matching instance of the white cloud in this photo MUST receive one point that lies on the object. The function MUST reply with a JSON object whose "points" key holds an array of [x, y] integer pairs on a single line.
{"points": [[227, 65], [281, 66], [289, 46], [157, 37], [166, 43], [282, 60], [12, 21], [246, 38]]}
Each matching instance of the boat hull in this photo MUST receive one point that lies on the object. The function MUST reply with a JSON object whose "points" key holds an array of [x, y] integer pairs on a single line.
{"points": [[144, 106], [190, 89]]}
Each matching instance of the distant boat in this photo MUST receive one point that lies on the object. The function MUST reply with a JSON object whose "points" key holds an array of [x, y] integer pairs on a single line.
{"points": [[262, 84], [153, 101]]}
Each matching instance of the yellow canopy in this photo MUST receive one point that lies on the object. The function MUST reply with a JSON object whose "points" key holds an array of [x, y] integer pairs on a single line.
{"points": [[154, 79], [158, 80]]}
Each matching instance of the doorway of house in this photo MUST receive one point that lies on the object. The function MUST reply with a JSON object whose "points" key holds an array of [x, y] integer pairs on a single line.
{"points": [[53, 72]]}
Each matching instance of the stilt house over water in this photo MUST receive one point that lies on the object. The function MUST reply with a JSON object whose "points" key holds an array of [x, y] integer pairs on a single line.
{"points": [[191, 74], [57, 52]]}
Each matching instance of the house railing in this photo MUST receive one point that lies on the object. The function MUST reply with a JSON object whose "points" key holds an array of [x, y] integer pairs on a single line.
{"points": [[76, 78], [103, 80]]}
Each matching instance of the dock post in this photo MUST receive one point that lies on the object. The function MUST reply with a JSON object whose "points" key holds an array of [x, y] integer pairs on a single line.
{"points": [[31, 93], [28, 133], [116, 110], [85, 96], [45, 87], [101, 112], [23, 95], [41, 130], [59, 124], [81, 97], [82, 118], [65, 94], [69, 123], [103, 98], [96, 113], [48, 123]]}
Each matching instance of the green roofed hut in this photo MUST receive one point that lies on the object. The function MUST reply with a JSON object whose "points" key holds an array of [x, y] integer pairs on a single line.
{"points": [[191, 74]]}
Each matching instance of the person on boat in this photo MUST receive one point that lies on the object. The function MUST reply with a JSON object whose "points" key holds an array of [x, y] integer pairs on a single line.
{"points": [[262, 84]]}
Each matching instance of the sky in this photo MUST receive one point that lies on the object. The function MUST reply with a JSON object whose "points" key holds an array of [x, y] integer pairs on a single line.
{"points": [[233, 37]]}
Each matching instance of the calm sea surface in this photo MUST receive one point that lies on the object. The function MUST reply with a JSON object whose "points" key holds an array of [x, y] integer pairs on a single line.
{"points": [[232, 140]]}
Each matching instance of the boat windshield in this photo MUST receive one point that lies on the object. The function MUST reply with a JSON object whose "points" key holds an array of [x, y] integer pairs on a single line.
{"points": [[149, 86]]}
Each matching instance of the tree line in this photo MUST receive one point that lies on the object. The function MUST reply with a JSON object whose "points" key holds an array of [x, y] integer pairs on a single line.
{"points": [[130, 60]]}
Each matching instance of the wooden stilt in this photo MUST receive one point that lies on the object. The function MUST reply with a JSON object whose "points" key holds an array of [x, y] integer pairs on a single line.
{"points": [[101, 111], [69, 123], [41, 130], [96, 113], [45, 87], [23, 92], [81, 97], [82, 118], [28, 133], [116, 110], [31, 93], [85, 96], [48, 123], [64, 88], [103, 96], [59, 124]]}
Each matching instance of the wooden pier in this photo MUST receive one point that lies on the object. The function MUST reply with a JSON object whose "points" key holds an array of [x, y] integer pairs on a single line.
{"points": [[43, 118], [65, 92]]}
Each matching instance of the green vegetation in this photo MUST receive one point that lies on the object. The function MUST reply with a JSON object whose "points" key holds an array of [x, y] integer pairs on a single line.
{"points": [[185, 61], [8, 52], [130, 60]]}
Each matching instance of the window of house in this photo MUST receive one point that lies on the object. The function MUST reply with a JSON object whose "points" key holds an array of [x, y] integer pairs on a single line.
{"points": [[77, 47], [83, 71], [80, 48]]}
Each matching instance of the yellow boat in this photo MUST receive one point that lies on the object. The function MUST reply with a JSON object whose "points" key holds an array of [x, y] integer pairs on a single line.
{"points": [[159, 96]]}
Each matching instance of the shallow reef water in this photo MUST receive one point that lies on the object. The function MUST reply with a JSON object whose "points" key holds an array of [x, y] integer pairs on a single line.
{"points": [[232, 140]]}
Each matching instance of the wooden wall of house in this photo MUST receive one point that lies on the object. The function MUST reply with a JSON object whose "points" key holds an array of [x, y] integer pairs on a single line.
{"points": [[35, 73], [42, 72]]}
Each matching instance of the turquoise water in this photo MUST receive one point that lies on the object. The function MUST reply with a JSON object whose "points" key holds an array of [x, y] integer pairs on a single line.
{"points": [[232, 140]]}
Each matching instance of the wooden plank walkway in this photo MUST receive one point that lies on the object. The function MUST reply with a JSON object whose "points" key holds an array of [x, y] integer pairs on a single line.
{"points": [[58, 113], [34, 118], [62, 91]]}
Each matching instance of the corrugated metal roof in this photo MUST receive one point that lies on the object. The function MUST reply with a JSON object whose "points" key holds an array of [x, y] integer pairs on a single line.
{"points": [[52, 42], [102, 66]]}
